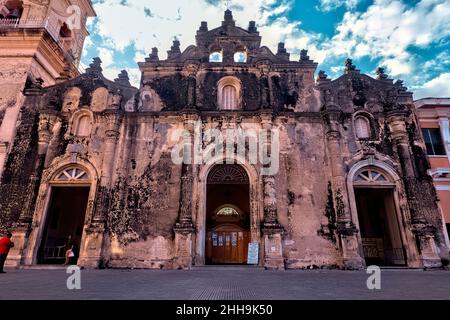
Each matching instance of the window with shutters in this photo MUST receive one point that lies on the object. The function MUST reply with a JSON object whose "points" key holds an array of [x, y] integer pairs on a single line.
{"points": [[433, 142], [229, 92]]}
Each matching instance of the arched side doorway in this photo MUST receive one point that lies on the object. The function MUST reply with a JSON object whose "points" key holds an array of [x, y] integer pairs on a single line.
{"points": [[65, 217], [227, 215], [379, 221]]}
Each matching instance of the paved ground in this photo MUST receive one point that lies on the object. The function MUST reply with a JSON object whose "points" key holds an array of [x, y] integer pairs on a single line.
{"points": [[224, 283]]}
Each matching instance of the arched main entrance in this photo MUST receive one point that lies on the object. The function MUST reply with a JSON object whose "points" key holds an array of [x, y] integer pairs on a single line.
{"points": [[379, 224], [227, 215], [65, 217]]}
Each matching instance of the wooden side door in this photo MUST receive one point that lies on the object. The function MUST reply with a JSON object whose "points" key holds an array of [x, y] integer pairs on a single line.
{"points": [[227, 245]]}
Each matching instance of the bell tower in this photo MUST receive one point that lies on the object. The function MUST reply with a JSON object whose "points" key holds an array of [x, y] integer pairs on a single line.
{"points": [[40, 41]]}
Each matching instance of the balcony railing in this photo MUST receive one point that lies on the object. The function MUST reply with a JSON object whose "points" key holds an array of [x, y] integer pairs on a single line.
{"points": [[52, 26]]}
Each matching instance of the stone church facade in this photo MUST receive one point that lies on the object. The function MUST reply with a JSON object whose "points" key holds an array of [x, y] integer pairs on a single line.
{"points": [[92, 164]]}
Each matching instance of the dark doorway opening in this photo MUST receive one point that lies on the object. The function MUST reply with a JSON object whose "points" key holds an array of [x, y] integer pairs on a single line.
{"points": [[379, 227], [64, 225], [227, 215]]}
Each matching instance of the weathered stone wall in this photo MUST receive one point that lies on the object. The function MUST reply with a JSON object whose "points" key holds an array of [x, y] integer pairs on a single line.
{"points": [[302, 185], [146, 211]]}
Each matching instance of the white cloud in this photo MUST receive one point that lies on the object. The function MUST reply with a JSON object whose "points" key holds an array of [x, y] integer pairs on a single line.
{"points": [[107, 56], [328, 5], [388, 29], [153, 23], [435, 88], [129, 24]]}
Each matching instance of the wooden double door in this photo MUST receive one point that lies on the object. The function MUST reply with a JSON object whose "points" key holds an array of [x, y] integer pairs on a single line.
{"points": [[227, 244]]}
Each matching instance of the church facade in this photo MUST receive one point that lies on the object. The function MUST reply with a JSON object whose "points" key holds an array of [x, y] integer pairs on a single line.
{"points": [[226, 152]]}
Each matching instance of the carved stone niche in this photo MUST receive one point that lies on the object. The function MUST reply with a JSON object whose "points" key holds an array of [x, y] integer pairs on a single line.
{"points": [[149, 100], [114, 100], [71, 99], [99, 99]]}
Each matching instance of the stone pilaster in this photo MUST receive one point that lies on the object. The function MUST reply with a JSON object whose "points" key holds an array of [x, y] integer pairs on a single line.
{"points": [[272, 231], [21, 229], [266, 99], [415, 190], [91, 254], [347, 232], [184, 228]]}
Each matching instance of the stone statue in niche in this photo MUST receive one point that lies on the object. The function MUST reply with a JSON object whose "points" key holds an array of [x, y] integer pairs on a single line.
{"points": [[114, 100], [149, 100], [328, 96], [129, 106], [71, 99], [99, 99]]}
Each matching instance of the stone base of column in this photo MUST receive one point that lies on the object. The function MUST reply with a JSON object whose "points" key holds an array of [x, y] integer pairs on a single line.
{"points": [[91, 251], [183, 246], [352, 260], [273, 248], [20, 237], [428, 249], [429, 255]]}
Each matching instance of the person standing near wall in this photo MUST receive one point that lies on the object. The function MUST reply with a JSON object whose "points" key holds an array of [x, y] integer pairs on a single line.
{"points": [[5, 245]]}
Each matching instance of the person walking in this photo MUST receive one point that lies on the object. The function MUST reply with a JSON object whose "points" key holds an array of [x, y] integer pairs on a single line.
{"points": [[70, 254], [5, 245]]}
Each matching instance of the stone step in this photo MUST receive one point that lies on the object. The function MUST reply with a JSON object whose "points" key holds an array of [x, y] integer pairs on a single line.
{"points": [[227, 267], [43, 267]]}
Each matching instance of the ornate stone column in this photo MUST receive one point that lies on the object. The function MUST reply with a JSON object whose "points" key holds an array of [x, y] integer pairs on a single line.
{"points": [[184, 228], [191, 72], [415, 190], [272, 231], [22, 228], [347, 232], [264, 87], [91, 253]]}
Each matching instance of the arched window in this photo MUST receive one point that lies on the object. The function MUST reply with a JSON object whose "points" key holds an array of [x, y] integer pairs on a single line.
{"points": [[216, 57], [72, 174], [229, 92], [370, 176], [65, 31], [240, 57], [227, 211], [11, 9], [83, 126], [229, 98], [362, 127]]}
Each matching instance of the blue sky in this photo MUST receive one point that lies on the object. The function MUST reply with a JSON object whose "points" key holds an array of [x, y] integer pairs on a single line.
{"points": [[411, 39]]}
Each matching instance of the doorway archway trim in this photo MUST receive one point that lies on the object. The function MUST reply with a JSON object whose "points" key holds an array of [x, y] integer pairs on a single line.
{"points": [[256, 209], [407, 237], [44, 196]]}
